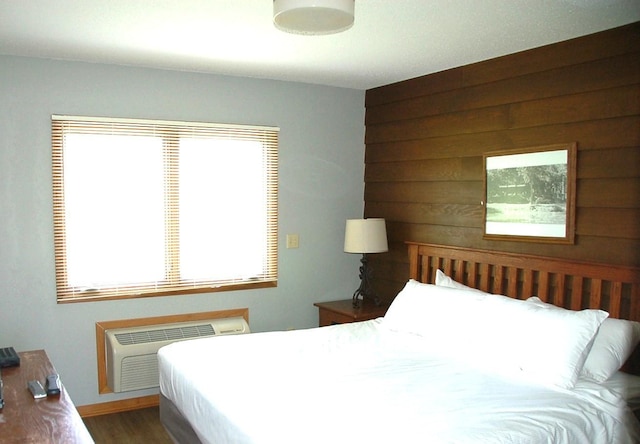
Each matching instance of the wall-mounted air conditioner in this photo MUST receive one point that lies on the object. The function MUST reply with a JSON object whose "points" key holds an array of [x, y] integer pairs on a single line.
{"points": [[131, 353]]}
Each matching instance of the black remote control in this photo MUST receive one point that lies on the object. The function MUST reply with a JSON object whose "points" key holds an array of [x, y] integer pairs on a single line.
{"points": [[53, 385], [9, 357]]}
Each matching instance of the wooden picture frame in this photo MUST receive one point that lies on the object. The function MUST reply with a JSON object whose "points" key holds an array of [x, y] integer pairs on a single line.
{"points": [[530, 194]]}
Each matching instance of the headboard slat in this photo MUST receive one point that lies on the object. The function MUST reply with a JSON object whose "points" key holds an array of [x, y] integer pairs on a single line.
{"points": [[595, 298], [558, 293], [512, 281], [484, 277], [615, 299], [448, 267], [527, 283], [472, 279], [428, 270], [572, 284], [498, 279], [576, 293], [543, 285], [635, 298]]}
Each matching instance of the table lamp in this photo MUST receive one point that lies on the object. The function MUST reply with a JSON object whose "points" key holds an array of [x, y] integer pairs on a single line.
{"points": [[365, 236]]}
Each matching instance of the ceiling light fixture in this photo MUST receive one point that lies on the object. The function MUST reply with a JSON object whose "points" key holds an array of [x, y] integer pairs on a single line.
{"points": [[313, 17]]}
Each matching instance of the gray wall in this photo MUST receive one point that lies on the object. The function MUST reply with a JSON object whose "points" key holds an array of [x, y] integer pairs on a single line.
{"points": [[321, 185]]}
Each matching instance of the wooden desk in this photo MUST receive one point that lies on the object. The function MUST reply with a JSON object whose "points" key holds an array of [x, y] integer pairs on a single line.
{"points": [[342, 312], [27, 420]]}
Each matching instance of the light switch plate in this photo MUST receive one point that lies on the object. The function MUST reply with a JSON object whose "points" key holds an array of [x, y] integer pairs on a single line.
{"points": [[292, 241]]}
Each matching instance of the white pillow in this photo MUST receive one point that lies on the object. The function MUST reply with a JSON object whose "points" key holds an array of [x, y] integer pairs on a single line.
{"points": [[560, 343], [613, 344], [497, 333], [426, 310], [443, 280]]}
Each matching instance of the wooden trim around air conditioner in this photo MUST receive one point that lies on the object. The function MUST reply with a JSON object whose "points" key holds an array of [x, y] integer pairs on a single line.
{"points": [[102, 326]]}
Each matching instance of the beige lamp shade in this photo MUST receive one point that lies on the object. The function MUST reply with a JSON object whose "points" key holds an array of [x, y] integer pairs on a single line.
{"points": [[365, 236]]}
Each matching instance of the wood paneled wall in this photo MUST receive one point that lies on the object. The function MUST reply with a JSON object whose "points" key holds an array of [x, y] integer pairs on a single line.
{"points": [[425, 139]]}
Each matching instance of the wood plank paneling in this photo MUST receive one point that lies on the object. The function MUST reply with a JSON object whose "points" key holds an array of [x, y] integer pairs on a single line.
{"points": [[623, 222], [621, 162], [589, 106], [425, 139], [454, 215], [609, 193], [455, 168], [596, 134], [458, 192], [596, 105], [618, 41], [574, 79]]}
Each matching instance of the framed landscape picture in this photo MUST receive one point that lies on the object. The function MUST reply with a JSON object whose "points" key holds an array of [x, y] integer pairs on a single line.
{"points": [[530, 194]]}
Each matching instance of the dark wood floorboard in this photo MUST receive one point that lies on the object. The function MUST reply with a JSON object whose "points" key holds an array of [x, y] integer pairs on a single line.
{"points": [[133, 427]]}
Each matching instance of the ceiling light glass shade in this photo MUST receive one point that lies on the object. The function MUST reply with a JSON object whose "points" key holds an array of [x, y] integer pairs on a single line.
{"points": [[365, 236], [313, 17]]}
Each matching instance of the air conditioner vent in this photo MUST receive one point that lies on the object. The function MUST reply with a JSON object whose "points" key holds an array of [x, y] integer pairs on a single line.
{"points": [[165, 334], [131, 353]]}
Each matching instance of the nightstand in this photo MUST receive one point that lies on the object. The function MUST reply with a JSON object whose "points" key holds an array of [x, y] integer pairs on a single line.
{"points": [[342, 312]]}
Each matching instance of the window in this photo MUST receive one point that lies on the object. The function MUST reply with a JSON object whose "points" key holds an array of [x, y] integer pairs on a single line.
{"points": [[147, 208]]}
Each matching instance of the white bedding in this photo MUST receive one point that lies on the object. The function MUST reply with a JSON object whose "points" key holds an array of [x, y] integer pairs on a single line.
{"points": [[361, 382]]}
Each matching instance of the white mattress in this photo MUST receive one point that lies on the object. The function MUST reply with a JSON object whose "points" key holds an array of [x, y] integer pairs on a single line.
{"points": [[362, 383]]}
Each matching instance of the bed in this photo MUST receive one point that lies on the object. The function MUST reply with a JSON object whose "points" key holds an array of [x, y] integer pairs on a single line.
{"points": [[478, 346]]}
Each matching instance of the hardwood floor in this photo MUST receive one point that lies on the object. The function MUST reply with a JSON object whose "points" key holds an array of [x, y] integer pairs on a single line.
{"points": [[136, 426]]}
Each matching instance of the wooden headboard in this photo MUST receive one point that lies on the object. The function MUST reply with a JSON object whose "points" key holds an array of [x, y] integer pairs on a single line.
{"points": [[569, 284]]}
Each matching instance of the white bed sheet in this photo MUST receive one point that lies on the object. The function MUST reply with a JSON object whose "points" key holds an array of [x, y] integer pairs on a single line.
{"points": [[360, 382]]}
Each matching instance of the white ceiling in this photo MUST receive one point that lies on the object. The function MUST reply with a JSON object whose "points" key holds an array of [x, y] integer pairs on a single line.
{"points": [[391, 40]]}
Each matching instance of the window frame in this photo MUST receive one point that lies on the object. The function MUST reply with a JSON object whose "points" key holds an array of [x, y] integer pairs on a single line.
{"points": [[171, 131]]}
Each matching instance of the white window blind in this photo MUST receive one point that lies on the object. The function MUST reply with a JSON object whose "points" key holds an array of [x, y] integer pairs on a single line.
{"points": [[145, 207]]}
